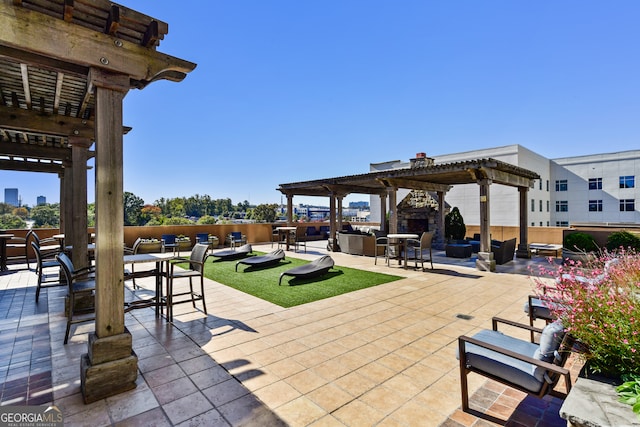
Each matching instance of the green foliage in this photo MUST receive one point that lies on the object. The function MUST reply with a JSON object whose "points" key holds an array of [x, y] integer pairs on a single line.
{"points": [[264, 212], [11, 222], [580, 242], [597, 304], [176, 220], [6, 208], [623, 239], [132, 209], [263, 283], [207, 219], [91, 215], [454, 227], [45, 216], [629, 393], [22, 212]]}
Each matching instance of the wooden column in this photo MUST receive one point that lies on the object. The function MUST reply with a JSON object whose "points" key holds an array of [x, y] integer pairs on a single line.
{"points": [[78, 237], [383, 213], [62, 202], [66, 199], [440, 243], [332, 223], [523, 244], [393, 210], [485, 261], [110, 366], [339, 212], [289, 210]]}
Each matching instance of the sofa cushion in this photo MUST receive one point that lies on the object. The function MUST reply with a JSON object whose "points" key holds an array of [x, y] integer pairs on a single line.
{"points": [[513, 370]]}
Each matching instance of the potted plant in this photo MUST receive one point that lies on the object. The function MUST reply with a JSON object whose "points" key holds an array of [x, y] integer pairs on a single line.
{"points": [[454, 228], [598, 306], [579, 247], [184, 242]]}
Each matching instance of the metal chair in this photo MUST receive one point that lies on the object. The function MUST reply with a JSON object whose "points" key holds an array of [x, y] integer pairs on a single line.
{"points": [[195, 269], [526, 366], [236, 238], [45, 280], [169, 242], [49, 247], [381, 245], [19, 243], [80, 284], [417, 249]]}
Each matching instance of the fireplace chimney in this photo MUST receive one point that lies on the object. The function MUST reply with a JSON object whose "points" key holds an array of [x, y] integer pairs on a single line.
{"points": [[421, 160]]}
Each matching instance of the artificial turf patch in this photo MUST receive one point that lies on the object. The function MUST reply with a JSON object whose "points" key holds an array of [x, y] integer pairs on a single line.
{"points": [[263, 282]]}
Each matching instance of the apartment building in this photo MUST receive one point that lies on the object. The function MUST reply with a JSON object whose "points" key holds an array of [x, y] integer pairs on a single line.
{"points": [[595, 188]]}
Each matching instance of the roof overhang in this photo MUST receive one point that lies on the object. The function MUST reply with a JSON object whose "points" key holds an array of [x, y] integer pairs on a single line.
{"points": [[436, 177]]}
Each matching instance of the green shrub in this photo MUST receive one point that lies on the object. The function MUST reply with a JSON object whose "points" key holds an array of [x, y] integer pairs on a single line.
{"points": [[580, 242], [623, 239], [454, 227]]}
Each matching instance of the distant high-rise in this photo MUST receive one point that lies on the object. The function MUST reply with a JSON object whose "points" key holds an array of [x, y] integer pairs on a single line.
{"points": [[11, 196], [41, 200]]}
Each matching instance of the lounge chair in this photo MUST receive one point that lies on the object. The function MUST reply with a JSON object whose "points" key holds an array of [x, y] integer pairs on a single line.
{"points": [[532, 368], [235, 253], [263, 260], [317, 267]]}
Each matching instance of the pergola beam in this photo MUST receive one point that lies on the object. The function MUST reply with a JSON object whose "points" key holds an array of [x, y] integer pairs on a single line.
{"points": [[70, 43], [26, 166]]}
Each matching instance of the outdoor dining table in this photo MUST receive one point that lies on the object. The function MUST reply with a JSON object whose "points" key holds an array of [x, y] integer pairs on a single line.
{"points": [[402, 242], [284, 232], [158, 272], [3, 250]]}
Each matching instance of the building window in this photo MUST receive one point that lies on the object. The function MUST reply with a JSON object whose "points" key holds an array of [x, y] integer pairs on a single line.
{"points": [[540, 223], [595, 205], [627, 205], [547, 185], [533, 224], [627, 181], [562, 206], [533, 205], [595, 183], [540, 205], [561, 185], [540, 182], [562, 223], [548, 206]]}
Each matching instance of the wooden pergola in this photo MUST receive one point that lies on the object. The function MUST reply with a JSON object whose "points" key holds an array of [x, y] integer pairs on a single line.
{"points": [[65, 68], [424, 174]]}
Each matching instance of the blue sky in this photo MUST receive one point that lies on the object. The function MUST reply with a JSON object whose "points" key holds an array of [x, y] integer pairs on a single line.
{"points": [[289, 90]]}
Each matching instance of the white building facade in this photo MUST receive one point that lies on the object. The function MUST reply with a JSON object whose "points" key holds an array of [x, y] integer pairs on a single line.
{"points": [[595, 188]]}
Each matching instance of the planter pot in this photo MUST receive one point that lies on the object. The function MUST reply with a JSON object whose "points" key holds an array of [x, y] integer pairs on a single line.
{"points": [[583, 257]]}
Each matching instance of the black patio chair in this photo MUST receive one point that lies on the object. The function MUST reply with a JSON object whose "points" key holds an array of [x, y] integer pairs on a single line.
{"points": [[271, 258], [317, 267]]}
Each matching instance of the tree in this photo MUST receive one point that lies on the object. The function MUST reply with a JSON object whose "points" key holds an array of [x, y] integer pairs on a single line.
{"points": [[91, 215], [45, 216], [265, 212], [22, 212], [6, 208], [150, 213], [454, 227], [132, 209], [11, 222]]}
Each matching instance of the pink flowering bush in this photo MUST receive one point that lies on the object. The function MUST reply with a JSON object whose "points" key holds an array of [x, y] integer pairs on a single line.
{"points": [[599, 304]]}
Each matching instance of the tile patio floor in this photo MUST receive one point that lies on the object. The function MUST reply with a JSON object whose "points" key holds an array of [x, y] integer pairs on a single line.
{"points": [[383, 356]]}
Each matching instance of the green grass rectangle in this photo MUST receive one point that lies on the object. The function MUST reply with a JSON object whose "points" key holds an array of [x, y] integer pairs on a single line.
{"points": [[263, 282]]}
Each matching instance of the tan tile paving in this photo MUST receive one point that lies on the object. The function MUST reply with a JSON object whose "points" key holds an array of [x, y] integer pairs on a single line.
{"points": [[380, 356]]}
